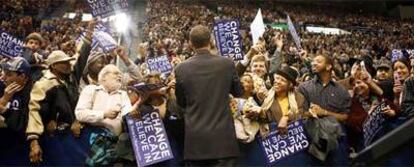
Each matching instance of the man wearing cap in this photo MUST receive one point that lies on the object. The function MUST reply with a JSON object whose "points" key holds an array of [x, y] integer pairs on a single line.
{"points": [[97, 60], [14, 91], [51, 108], [384, 79]]}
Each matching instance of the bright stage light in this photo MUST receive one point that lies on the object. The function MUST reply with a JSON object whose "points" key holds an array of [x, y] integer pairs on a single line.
{"points": [[121, 22]]}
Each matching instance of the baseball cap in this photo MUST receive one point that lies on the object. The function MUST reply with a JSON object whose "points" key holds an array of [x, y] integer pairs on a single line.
{"points": [[17, 64]]}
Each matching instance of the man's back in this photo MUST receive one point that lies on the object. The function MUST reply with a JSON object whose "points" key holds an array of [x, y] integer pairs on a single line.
{"points": [[204, 83]]}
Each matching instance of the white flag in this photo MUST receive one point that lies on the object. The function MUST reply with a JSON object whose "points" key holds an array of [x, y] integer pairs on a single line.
{"points": [[257, 27]]}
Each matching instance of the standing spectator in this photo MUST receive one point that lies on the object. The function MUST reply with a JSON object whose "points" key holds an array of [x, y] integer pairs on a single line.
{"points": [[15, 94], [384, 79], [326, 98], [284, 105], [202, 89], [102, 108], [34, 55], [53, 101], [402, 68], [407, 104]]}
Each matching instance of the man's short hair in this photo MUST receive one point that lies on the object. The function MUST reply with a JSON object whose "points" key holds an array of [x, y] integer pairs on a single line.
{"points": [[199, 36], [328, 60]]}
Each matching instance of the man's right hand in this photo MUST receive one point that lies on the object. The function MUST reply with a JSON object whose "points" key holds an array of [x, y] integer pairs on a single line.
{"points": [[35, 152]]}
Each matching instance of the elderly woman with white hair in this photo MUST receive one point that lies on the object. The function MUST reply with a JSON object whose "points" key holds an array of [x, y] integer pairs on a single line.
{"points": [[101, 107]]}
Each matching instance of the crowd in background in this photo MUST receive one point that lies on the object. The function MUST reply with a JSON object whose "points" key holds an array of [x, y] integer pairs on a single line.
{"points": [[66, 92]]}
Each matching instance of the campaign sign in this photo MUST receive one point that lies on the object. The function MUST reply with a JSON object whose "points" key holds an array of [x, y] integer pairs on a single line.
{"points": [[277, 147], [149, 138], [9, 45], [293, 32], [395, 55], [398, 53], [101, 39], [160, 64], [105, 8], [374, 124], [228, 39], [105, 41]]}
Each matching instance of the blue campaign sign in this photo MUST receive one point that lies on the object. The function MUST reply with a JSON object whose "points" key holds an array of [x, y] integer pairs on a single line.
{"points": [[160, 64], [105, 8], [277, 147], [105, 41], [149, 138], [101, 39], [374, 124], [293, 32], [395, 55], [10, 45], [228, 39]]}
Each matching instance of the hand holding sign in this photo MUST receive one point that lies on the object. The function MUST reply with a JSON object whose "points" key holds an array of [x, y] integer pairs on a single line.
{"points": [[121, 52], [282, 127], [90, 29], [388, 111]]}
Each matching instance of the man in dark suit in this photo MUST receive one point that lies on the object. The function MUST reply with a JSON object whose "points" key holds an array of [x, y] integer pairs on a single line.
{"points": [[204, 83]]}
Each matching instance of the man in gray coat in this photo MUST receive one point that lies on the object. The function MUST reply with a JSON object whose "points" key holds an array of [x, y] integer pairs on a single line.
{"points": [[204, 83]]}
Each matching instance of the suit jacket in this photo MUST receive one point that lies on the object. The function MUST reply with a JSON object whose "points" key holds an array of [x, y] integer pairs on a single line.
{"points": [[203, 85]]}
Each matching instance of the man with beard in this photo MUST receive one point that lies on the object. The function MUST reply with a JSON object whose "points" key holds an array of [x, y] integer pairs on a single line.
{"points": [[101, 107], [104, 104], [325, 98], [51, 108]]}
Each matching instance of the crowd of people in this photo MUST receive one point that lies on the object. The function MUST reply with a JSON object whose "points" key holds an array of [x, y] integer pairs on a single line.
{"points": [[64, 102]]}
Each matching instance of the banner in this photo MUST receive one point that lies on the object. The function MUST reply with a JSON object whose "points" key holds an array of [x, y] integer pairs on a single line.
{"points": [[257, 27], [160, 64], [374, 124], [277, 147], [295, 35], [399, 53], [105, 41], [9, 45], [102, 41], [105, 8], [149, 138], [228, 39]]}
